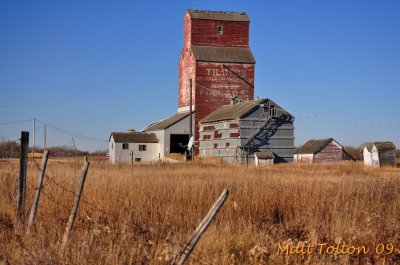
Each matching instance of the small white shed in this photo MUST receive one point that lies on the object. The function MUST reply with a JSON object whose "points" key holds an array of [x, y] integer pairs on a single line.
{"points": [[379, 154], [132, 145], [264, 158]]}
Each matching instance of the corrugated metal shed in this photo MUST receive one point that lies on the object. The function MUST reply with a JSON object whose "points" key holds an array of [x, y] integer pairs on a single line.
{"points": [[218, 15], [223, 54], [134, 137]]}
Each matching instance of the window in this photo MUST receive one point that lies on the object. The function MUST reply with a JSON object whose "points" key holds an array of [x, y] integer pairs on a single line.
{"points": [[272, 111], [142, 147], [220, 30], [125, 146], [138, 159], [112, 146]]}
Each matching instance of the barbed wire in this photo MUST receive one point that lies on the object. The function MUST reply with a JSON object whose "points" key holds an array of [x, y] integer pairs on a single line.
{"points": [[198, 257], [54, 201]]}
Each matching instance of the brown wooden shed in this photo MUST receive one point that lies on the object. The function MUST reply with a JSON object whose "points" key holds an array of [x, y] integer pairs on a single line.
{"points": [[321, 151]]}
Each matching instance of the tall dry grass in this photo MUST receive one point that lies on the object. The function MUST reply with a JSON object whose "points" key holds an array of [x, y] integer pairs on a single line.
{"points": [[145, 216]]}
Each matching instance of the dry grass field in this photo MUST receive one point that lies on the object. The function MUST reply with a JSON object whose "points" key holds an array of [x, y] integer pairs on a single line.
{"points": [[146, 215]]}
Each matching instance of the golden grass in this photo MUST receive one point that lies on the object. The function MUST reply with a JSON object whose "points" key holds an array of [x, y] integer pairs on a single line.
{"points": [[145, 216]]}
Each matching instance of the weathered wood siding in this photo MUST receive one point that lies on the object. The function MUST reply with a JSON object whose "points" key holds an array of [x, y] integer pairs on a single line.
{"points": [[387, 158], [204, 32], [367, 157], [378, 158], [331, 153], [304, 158]]}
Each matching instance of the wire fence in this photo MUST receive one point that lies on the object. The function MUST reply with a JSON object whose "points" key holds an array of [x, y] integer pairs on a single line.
{"points": [[51, 187]]}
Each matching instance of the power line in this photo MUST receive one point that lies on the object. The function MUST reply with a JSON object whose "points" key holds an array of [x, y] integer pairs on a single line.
{"points": [[81, 136], [11, 122], [314, 115], [89, 105], [18, 133]]}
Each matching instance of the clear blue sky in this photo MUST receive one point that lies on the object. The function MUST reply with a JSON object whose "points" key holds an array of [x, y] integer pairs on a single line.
{"points": [[334, 64]]}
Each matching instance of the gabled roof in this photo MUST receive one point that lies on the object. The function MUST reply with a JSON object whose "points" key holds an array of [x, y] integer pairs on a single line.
{"points": [[380, 146], [237, 111], [218, 15], [314, 146], [222, 54], [134, 137], [265, 155], [232, 112], [165, 124]]}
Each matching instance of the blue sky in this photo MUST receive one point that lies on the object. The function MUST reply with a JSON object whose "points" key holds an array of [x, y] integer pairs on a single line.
{"points": [[92, 67]]}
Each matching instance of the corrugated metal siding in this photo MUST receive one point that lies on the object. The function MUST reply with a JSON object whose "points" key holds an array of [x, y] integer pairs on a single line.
{"points": [[281, 141], [220, 139], [227, 138]]}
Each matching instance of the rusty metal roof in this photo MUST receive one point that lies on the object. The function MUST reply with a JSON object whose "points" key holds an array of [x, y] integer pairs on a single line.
{"points": [[165, 124], [265, 155], [134, 137], [314, 146], [232, 112], [218, 15], [223, 54], [386, 145]]}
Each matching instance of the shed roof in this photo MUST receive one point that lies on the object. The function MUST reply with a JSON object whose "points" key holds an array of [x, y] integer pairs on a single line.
{"points": [[265, 155], [134, 137], [218, 15], [314, 146], [386, 145], [223, 54], [165, 124]]}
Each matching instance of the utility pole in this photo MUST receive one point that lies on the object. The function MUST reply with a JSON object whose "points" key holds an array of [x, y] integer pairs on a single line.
{"points": [[33, 138], [190, 120], [44, 139]]}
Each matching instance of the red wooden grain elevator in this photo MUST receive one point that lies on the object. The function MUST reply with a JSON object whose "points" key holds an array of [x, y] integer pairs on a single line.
{"points": [[217, 57]]}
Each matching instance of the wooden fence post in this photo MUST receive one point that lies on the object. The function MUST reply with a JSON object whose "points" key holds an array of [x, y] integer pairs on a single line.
{"points": [[201, 228], [78, 194], [22, 173], [39, 189], [131, 161]]}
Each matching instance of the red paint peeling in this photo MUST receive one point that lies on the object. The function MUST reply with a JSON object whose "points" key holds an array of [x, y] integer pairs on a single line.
{"points": [[213, 84]]}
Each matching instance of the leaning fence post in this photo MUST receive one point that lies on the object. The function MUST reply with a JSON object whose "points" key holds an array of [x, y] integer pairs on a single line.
{"points": [[72, 216], [201, 228], [22, 173], [39, 189]]}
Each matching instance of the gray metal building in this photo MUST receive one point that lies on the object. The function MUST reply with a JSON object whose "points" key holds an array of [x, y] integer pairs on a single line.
{"points": [[243, 128]]}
